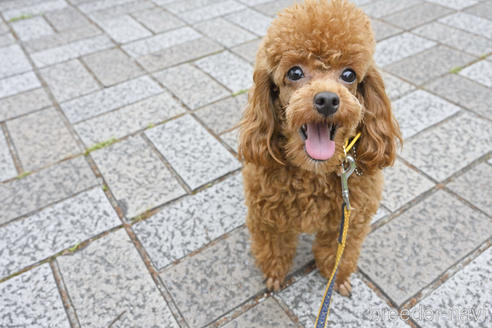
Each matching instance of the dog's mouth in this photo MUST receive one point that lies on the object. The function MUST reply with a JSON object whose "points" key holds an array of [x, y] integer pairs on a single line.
{"points": [[318, 139]]}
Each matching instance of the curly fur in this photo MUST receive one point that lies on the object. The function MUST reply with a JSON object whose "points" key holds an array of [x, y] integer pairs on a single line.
{"points": [[286, 191]]}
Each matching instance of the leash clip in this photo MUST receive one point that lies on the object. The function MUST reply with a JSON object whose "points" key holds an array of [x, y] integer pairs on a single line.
{"points": [[346, 173]]}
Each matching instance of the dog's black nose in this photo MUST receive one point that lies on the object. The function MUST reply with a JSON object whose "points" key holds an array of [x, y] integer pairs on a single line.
{"points": [[326, 103]]}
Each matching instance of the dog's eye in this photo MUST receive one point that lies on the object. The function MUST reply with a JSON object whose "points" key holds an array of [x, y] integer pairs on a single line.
{"points": [[295, 73], [348, 75]]}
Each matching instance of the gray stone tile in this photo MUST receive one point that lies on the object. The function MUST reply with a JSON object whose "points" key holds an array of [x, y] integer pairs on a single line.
{"points": [[71, 50], [109, 284], [419, 110], [464, 92], [474, 186], [417, 15], [138, 179], [251, 20], [23, 103], [459, 39], [121, 9], [469, 23], [58, 227], [271, 8], [66, 19], [100, 5], [231, 138], [32, 28], [224, 32], [411, 251], [41, 138], [304, 298], [402, 185], [398, 47], [469, 290], [193, 153], [211, 11], [387, 7], [228, 69], [190, 223], [177, 7], [69, 80], [124, 29], [454, 145], [193, 87], [112, 66], [215, 280], [383, 30], [395, 87], [13, 61], [247, 50], [480, 72], [36, 8], [266, 314], [429, 64], [161, 41], [18, 83], [3, 27], [22, 196], [6, 40], [110, 98], [223, 115], [7, 167], [179, 54], [128, 119], [157, 20], [381, 213], [483, 10], [455, 4], [32, 299]]}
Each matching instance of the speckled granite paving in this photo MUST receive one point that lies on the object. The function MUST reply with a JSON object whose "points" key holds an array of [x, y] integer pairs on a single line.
{"points": [[121, 201]]}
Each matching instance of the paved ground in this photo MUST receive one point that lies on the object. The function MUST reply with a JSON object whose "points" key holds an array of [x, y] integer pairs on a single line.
{"points": [[121, 202]]}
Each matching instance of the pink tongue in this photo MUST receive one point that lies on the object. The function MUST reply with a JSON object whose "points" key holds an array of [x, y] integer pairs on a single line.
{"points": [[318, 143]]}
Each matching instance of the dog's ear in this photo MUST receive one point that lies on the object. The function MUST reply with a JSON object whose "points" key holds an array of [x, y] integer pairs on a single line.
{"points": [[258, 142], [380, 133]]}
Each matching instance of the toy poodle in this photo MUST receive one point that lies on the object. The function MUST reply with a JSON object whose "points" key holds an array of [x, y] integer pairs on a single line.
{"points": [[315, 86]]}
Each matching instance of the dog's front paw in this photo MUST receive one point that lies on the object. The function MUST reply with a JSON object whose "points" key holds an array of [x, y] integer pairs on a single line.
{"points": [[344, 288], [273, 284]]}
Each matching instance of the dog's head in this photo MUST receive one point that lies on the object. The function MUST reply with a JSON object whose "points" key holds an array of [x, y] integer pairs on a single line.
{"points": [[315, 85]]}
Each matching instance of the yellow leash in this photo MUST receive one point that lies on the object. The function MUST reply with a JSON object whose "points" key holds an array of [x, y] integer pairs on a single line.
{"points": [[324, 310]]}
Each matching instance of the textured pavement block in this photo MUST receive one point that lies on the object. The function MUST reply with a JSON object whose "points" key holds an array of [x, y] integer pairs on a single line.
{"points": [[188, 224], [124, 29], [32, 299], [109, 284], [121, 9], [231, 138], [177, 7], [41, 138], [251, 20], [417, 15], [112, 66], [53, 229], [468, 290], [13, 61], [247, 50], [228, 69], [192, 152], [455, 4], [66, 19], [483, 9], [215, 280], [402, 185], [419, 110], [110, 98], [480, 72], [138, 179], [395, 87], [20, 197], [23, 103], [6, 40], [387, 7], [383, 30], [69, 80], [224, 32], [270, 8], [157, 20], [18, 83], [71, 50], [398, 47], [7, 167], [470, 23], [412, 250], [185, 81], [211, 11], [36, 8], [478, 178], [128, 119], [304, 298], [449, 147], [223, 115], [429, 64], [32, 28], [266, 314], [92, 6], [382, 212], [464, 92], [456, 38]]}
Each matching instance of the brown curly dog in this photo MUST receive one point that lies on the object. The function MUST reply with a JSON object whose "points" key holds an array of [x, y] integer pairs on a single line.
{"points": [[315, 86]]}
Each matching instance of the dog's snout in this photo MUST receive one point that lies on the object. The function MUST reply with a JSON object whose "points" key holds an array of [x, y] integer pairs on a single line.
{"points": [[326, 103]]}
